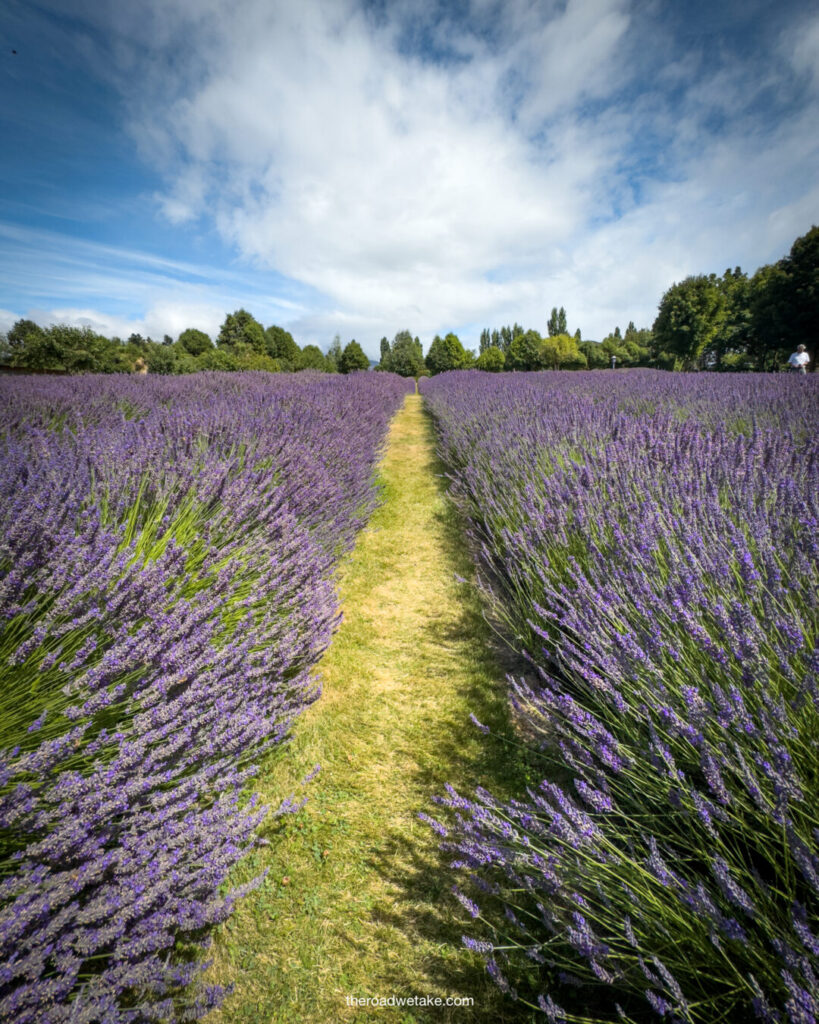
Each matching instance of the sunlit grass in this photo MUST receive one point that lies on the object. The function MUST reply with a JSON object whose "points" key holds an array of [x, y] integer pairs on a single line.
{"points": [[357, 901]]}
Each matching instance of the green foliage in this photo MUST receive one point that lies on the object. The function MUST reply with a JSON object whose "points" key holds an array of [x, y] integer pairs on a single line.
{"points": [[279, 344], [734, 333], [194, 342], [632, 349], [557, 322], [690, 316], [22, 334], [560, 352], [386, 356], [801, 268], [500, 339], [312, 358], [526, 352], [783, 304], [218, 359], [63, 348], [446, 354], [353, 358], [247, 359], [596, 357], [161, 359], [334, 355], [240, 328], [491, 359], [406, 356]]}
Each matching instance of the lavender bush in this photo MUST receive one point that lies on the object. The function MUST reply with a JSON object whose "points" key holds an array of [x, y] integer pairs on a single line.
{"points": [[649, 544], [166, 558]]}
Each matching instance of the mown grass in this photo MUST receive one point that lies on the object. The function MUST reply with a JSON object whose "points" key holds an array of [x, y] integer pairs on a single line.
{"points": [[357, 900]]}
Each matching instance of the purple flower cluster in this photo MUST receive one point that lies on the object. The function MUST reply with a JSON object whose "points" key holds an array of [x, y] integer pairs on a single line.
{"points": [[167, 550], [650, 545]]}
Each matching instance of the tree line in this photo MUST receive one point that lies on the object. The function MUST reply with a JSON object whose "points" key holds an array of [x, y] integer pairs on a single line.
{"points": [[705, 322], [242, 344]]}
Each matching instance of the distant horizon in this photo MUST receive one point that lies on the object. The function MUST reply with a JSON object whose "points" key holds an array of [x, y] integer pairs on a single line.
{"points": [[360, 167]]}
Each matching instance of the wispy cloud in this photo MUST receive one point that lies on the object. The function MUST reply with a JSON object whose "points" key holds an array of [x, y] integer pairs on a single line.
{"points": [[121, 291]]}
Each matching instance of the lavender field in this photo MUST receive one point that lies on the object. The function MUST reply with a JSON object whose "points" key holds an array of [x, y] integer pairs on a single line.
{"points": [[648, 547], [167, 551]]}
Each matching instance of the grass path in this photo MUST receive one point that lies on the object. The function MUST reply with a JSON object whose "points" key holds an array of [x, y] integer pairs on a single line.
{"points": [[357, 902]]}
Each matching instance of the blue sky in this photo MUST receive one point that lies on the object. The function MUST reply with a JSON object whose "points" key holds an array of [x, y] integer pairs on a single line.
{"points": [[363, 166]]}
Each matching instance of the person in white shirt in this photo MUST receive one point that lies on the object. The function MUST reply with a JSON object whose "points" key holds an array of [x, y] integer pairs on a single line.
{"points": [[799, 360]]}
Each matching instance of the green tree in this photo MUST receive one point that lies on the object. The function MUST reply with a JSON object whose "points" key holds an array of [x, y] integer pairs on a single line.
{"points": [[560, 352], [312, 358], [23, 333], [689, 320], [596, 356], [491, 359], [37, 350], [406, 355], [161, 359], [279, 344], [65, 348], [732, 339], [194, 342], [784, 305], [353, 358], [446, 354], [527, 352], [240, 328], [247, 359], [802, 273], [217, 359], [386, 356], [557, 322], [334, 355]]}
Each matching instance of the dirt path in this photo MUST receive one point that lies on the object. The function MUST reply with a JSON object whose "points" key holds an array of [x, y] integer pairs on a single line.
{"points": [[357, 902]]}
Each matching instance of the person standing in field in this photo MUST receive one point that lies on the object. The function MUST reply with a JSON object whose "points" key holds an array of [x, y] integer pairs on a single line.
{"points": [[799, 359]]}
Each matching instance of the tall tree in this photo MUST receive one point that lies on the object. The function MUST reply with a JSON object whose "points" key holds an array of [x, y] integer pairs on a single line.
{"points": [[526, 352], [406, 355], [353, 358], [802, 271], [733, 335], [279, 344], [688, 321], [334, 355], [240, 328], [386, 355], [446, 354]]}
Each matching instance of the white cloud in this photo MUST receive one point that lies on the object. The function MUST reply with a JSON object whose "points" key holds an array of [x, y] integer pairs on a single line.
{"points": [[422, 171], [391, 184], [7, 318], [802, 47], [169, 295]]}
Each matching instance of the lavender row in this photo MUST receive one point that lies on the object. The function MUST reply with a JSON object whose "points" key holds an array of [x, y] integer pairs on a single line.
{"points": [[650, 545], [167, 550]]}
